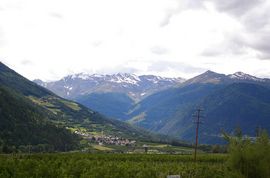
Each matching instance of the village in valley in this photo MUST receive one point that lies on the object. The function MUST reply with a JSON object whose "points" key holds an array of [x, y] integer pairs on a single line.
{"points": [[106, 139]]}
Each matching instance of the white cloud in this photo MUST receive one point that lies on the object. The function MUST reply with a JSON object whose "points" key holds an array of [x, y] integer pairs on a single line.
{"points": [[49, 39]]}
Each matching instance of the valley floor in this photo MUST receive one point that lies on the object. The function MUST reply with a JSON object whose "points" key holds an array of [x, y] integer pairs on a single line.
{"points": [[111, 165]]}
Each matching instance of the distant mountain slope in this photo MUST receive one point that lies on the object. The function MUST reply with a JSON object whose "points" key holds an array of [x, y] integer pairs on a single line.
{"points": [[229, 102], [37, 105], [238, 105], [112, 95], [115, 105], [160, 107]]}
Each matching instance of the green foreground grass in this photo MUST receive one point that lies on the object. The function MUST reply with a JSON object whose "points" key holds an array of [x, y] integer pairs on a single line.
{"points": [[85, 165]]}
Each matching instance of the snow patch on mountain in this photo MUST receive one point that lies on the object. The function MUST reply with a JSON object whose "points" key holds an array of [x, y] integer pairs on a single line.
{"points": [[68, 87], [244, 76], [125, 78]]}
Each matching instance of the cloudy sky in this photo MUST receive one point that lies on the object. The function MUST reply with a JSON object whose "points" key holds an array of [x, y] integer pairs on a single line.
{"points": [[48, 39]]}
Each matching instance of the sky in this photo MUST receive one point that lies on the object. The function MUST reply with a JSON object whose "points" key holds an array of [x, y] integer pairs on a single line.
{"points": [[49, 39]]}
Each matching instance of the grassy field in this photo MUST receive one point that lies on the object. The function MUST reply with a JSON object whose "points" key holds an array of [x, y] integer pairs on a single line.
{"points": [[138, 148], [102, 148], [75, 165]]}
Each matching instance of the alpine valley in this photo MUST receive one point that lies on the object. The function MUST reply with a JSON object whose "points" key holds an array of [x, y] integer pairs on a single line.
{"points": [[32, 116], [166, 105]]}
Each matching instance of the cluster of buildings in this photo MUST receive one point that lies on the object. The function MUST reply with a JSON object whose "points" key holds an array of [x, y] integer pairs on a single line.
{"points": [[112, 140], [82, 133], [107, 139]]}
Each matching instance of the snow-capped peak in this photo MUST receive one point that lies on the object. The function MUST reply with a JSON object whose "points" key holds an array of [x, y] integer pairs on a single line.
{"points": [[125, 78], [243, 76], [97, 75], [85, 76], [122, 78]]}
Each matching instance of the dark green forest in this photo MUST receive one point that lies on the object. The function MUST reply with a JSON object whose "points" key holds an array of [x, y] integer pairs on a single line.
{"points": [[24, 125]]}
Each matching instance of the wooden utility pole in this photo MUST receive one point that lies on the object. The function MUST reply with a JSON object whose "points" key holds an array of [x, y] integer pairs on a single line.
{"points": [[197, 122]]}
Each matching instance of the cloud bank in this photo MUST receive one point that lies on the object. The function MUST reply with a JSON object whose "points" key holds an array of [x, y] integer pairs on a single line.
{"points": [[53, 38]]}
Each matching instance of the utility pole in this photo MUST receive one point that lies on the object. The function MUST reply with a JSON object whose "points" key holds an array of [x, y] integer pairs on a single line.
{"points": [[197, 122]]}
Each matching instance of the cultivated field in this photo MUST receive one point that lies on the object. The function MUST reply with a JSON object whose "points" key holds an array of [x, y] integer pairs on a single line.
{"points": [[85, 165]]}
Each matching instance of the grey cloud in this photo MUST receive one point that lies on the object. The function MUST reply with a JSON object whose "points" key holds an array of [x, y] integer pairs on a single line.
{"points": [[121, 69], [159, 50], [257, 20], [237, 7], [162, 66], [97, 43], [233, 44], [238, 45], [167, 19], [211, 52], [182, 5], [262, 45], [26, 62], [257, 26], [56, 15], [254, 15], [168, 15]]}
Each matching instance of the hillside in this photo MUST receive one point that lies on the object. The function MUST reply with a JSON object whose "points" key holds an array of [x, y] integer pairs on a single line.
{"points": [[242, 105], [115, 105], [160, 106], [23, 123]]}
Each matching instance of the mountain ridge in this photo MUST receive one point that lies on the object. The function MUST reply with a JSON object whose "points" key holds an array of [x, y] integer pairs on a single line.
{"points": [[214, 77], [136, 87], [95, 90]]}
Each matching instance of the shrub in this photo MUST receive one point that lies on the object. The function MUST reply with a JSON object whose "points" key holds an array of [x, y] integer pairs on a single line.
{"points": [[247, 158]]}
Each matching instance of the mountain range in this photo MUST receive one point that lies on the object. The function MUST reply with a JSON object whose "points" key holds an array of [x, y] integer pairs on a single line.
{"points": [[33, 115], [113, 95], [135, 87], [229, 101]]}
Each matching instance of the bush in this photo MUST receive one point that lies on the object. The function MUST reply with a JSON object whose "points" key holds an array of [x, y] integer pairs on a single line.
{"points": [[247, 158]]}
